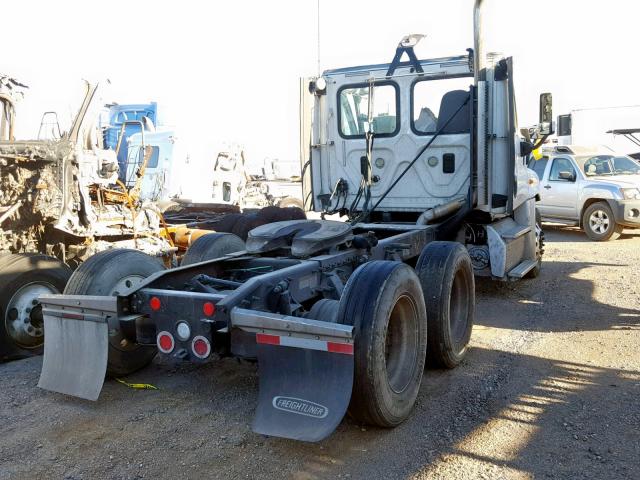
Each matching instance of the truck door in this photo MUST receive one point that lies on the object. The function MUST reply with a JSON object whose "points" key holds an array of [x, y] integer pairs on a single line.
{"points": [[561, 189], [353, 123], [540, 166]]}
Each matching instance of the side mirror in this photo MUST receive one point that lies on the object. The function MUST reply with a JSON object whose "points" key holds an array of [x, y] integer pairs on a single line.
{"points": [[568, 176], [526, 147], [546, 114]]}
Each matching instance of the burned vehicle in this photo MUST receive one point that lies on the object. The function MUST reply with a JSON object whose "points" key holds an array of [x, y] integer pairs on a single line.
{"points": [[60, 203]]}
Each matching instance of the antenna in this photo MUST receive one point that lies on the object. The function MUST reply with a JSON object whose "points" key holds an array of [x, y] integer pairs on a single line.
{"points": [[318, 29]]}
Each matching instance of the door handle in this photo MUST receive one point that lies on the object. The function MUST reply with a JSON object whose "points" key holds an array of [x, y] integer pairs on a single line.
{"points": [[547, 187]]}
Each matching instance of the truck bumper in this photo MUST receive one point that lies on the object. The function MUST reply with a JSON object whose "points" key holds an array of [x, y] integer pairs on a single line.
{"points": [[306, 366], [626, 212]]}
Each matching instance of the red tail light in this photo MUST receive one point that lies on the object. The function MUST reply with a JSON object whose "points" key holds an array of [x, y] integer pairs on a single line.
{"points": [[201, 347], [165, 342], [209, 309], [155, 303]]}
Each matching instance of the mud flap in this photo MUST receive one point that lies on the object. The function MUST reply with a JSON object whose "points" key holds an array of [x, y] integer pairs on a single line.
{"points": [[304, 393], [75, 348]]}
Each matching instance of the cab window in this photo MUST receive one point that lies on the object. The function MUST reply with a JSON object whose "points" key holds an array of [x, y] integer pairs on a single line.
{"points": [[427, 104], [559, 166], [353, 110]]}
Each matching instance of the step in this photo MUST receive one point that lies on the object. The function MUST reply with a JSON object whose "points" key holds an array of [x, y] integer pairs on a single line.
{"points": [[524, 267], [515, 232]]}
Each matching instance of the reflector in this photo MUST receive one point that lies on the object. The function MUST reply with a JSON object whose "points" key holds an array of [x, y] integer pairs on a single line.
{"points": [[165, 342], [155, 303], [209, 309], [201, 347]]}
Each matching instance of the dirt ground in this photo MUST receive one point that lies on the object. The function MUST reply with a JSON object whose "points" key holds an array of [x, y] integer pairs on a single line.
{"points": [[550, 389]]}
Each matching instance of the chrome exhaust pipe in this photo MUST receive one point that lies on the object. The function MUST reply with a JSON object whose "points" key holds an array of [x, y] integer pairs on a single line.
{"points": [[479, 57]]}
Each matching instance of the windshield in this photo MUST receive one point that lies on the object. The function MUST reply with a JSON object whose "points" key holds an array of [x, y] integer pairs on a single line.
{"points": [[610, 165]]}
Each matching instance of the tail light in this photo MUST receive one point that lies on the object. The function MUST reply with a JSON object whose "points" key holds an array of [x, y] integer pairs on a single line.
{"points": [[200, 347], [165, 342], [209, 309], [155, 304]]}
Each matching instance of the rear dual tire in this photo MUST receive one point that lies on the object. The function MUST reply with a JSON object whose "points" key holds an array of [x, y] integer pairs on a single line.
{"points": [[402, 318], [446, 276], [109, 273], [383, 301]]}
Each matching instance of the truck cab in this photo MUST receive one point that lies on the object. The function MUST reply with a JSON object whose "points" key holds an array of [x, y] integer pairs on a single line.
{"points": [[591, 187], [422, 142]]}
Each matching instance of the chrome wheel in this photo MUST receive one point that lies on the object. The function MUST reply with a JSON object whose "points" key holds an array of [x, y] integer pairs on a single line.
{"points": [[23, 317], [599, 222]]}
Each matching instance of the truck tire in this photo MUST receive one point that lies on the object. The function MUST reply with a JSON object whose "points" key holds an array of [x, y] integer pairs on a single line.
{"points": [[535, 271], [227, 222], [109, 273], [291, 202], [446, 275], [210, 246], [245, 224], [277, 214], [599, 223], [383, 301], [324, 309], [24, 277]]}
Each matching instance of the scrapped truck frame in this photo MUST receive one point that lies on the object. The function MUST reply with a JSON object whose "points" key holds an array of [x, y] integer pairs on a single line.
{"points": [[61, 202], [341, 316], [66, 196]]}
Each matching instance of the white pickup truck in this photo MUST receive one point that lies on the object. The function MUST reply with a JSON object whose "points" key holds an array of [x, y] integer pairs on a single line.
{"points": [[593, 188]]}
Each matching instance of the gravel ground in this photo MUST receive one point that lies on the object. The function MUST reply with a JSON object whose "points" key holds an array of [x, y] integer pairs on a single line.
{"points": [[549, 390]]}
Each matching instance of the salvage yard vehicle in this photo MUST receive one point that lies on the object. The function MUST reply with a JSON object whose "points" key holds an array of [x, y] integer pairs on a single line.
{"points": [[339, 315], [591, 187], [234, 184], [60, 203]]}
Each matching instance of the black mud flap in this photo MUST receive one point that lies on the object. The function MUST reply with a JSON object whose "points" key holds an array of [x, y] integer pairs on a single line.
{"points": [[304, 393]]}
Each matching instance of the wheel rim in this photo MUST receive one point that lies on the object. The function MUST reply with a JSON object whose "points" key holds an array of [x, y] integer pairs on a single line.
{"points": [[23, 317], [401, 344], [116, 337], [459, 308], [599, 221]]}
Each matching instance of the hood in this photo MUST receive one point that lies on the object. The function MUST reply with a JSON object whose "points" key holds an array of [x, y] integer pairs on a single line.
{"points": [[624, 181]]}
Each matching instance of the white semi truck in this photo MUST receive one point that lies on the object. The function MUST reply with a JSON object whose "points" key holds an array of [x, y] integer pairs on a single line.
{"points": [[601, 126], [339, 315]]}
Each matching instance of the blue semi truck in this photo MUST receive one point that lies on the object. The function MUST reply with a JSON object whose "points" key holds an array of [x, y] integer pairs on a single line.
{"points": [[129, 129]]}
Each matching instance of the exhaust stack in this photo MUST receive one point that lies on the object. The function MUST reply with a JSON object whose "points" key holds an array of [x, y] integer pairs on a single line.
{"points": [[479, 58]]}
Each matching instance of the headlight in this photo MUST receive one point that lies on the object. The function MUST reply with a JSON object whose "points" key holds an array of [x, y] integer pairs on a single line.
{"points": [[630, 193]]}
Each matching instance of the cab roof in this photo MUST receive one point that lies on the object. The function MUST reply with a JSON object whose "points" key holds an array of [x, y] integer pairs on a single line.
{"points": [[383, 67]]}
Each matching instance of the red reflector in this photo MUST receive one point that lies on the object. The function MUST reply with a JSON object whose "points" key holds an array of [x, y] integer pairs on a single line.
{"points": [[346, 348], [165, 342], [209, 309], [155, 303], [201, 347], [267, 339]]}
